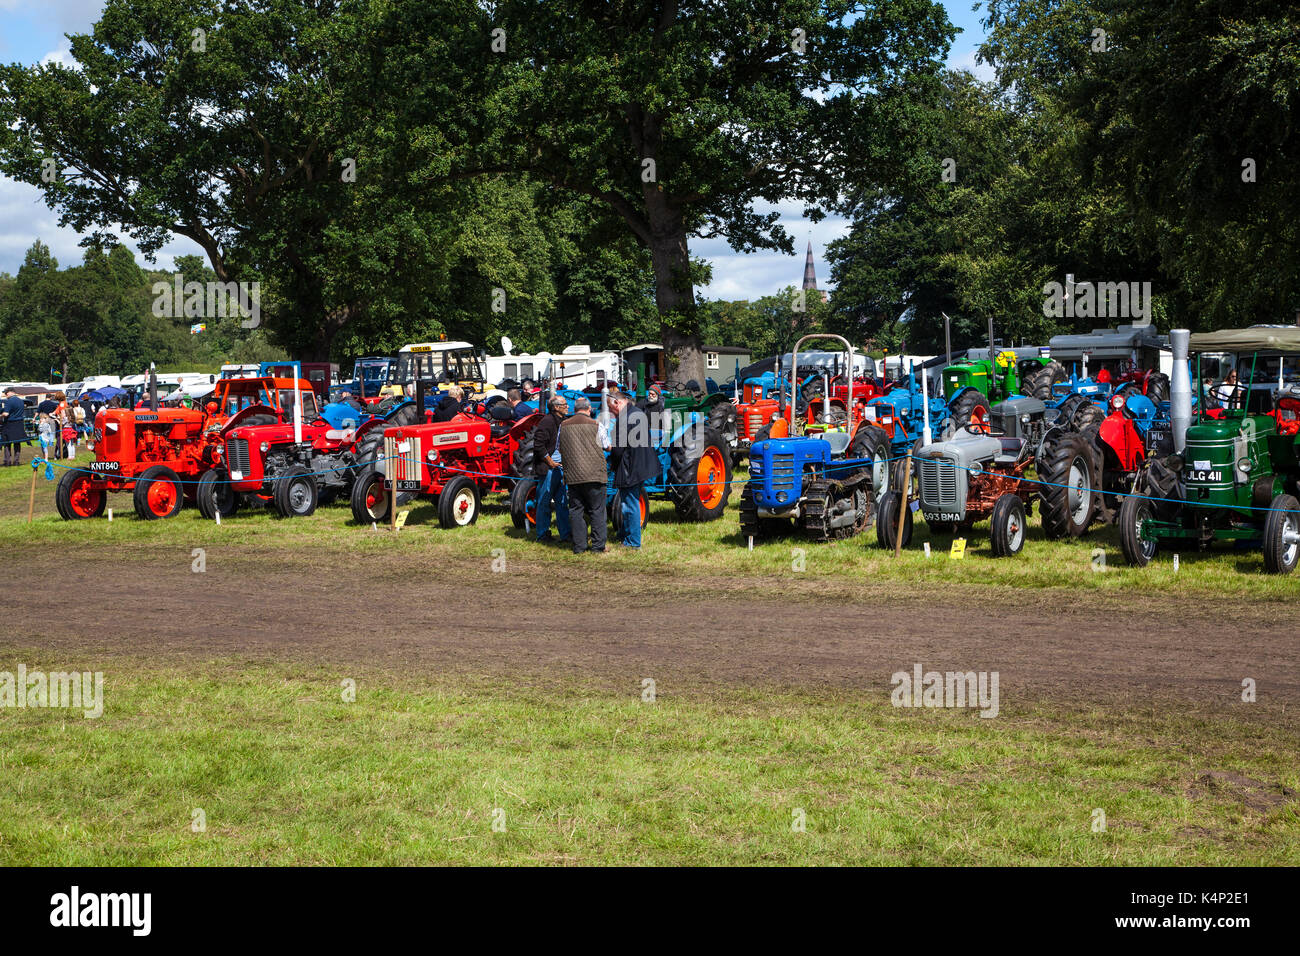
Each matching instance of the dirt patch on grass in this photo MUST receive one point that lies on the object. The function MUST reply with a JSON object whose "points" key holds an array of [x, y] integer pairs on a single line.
{"points": [[606, 622]]}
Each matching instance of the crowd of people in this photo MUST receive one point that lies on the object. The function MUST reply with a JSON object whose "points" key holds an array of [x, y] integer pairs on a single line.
{"points": [[60, 423], [570, 470]]}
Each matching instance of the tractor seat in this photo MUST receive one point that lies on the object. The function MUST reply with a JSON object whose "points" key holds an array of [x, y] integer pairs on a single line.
{"points": [[839, 441], [1010, 453], [1288, 415]]}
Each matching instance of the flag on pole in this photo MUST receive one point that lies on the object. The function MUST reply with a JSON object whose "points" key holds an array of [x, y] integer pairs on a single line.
{"points": [[198, 327]]}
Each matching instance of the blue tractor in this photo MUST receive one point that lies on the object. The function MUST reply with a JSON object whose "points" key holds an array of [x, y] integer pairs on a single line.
{"points": [[901, 413], [825, 483]]}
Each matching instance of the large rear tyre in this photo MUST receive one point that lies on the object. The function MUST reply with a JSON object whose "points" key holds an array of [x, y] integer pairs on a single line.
{"points": [[525, 455], [1137, 550], [215, 496], [1039, 383], [295, 493], [521, 503], [971, 411], [158, 493], [1069, 485], [369, 499], [1282, 535], [458, 503], [872, 443], [1008, 526], [891, 507], [699, 475], [77, 496], [1158, 387], [1088, 413], [722, 419]]}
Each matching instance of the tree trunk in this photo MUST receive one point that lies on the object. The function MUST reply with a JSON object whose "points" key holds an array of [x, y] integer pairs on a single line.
{"points": [[674, 294]]}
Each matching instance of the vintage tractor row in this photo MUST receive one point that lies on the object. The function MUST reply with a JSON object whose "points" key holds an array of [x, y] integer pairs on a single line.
{"points": [[1234, 474], [158, 454]]}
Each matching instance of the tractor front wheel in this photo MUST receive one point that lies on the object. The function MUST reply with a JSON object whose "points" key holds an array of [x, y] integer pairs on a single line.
{"points": [[1008, 531], [369, 499], [458, 503], [1282, 535], [1138, 551], [892, 505], [77, 496], [215, 496], [158, 493], [521, 503], [295, 493], [615, 512]]}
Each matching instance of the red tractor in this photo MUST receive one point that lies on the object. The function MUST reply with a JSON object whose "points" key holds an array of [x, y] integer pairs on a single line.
{"points": [[156, 453], [454, 462], [292, 469]]}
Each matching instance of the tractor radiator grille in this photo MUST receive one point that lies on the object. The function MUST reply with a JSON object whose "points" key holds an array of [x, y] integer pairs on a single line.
{"points": [[402, 465], [753, 422], [782, 476], [237, 454], [938, 482]]}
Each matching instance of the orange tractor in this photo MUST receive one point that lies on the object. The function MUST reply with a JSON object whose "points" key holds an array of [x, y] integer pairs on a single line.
{"points": [[159, 453]]}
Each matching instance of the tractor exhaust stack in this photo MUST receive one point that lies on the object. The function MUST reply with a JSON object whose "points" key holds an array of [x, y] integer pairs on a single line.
{"points": [[1180, 389]]}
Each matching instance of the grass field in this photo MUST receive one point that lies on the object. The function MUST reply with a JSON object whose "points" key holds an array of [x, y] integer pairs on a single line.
{"points": [[419, 766]]}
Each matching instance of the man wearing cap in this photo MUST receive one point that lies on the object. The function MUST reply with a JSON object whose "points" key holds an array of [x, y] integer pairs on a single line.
{"points": [[12, 430]]}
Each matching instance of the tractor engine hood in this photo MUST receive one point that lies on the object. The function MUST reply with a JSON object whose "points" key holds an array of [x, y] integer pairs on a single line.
{"points": [[966, 449]]}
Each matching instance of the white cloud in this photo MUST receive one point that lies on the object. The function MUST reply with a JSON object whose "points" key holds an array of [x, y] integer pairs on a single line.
{"points": [[61, 56], [24, 218], [966, 61]]}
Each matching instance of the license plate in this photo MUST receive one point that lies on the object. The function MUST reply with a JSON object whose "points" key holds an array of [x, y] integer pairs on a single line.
{"points": [[236, 476], [403, 484], [1155, 437], [105, 467]]}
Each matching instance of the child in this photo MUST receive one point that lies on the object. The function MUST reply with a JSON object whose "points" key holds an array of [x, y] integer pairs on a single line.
{"points": [[45, 431]]}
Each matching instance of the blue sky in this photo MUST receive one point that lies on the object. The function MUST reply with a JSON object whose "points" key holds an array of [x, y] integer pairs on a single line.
{"points": [[32, 31]]}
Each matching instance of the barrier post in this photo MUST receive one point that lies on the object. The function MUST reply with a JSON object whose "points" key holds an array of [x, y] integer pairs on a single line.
{"points": [[31, 499], [904, 503]]}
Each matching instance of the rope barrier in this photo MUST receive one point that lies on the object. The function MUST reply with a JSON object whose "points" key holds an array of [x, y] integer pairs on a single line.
{"points": [[360, 466]]}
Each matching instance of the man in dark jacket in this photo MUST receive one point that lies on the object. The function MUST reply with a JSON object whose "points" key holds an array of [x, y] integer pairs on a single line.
{"points": [[13, 432], [448, 406], [584, 477], [546, 469], [635, 462]]}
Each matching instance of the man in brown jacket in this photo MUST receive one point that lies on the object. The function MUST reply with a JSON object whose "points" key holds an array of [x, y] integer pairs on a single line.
{"points": [[585, 474]]}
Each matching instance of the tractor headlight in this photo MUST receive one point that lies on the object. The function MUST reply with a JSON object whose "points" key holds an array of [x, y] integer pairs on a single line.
{"points": [[265, 447], [432, 456], [1243, 466]]}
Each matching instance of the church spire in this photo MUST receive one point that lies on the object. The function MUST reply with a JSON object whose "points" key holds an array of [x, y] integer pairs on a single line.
{"points": [[809, 273]]}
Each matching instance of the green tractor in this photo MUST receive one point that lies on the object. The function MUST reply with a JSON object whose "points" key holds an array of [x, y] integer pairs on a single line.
{"points": [[972, 387], [1233, 475]]}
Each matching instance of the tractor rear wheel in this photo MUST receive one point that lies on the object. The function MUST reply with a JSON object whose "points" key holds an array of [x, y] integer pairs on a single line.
{"points": [[971, 411], [158, 493], [77, 496], [1008, 526], [1138, 551], [891, 506], [1039, 383], [871, 442], [369, 498], [458, 503], [1282, 535], [1088, 413], [722, 419], [1069, 484], [215, 496], [295, 493], [525, 455], [699, 476], [521, 501], [1158, 387]]}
